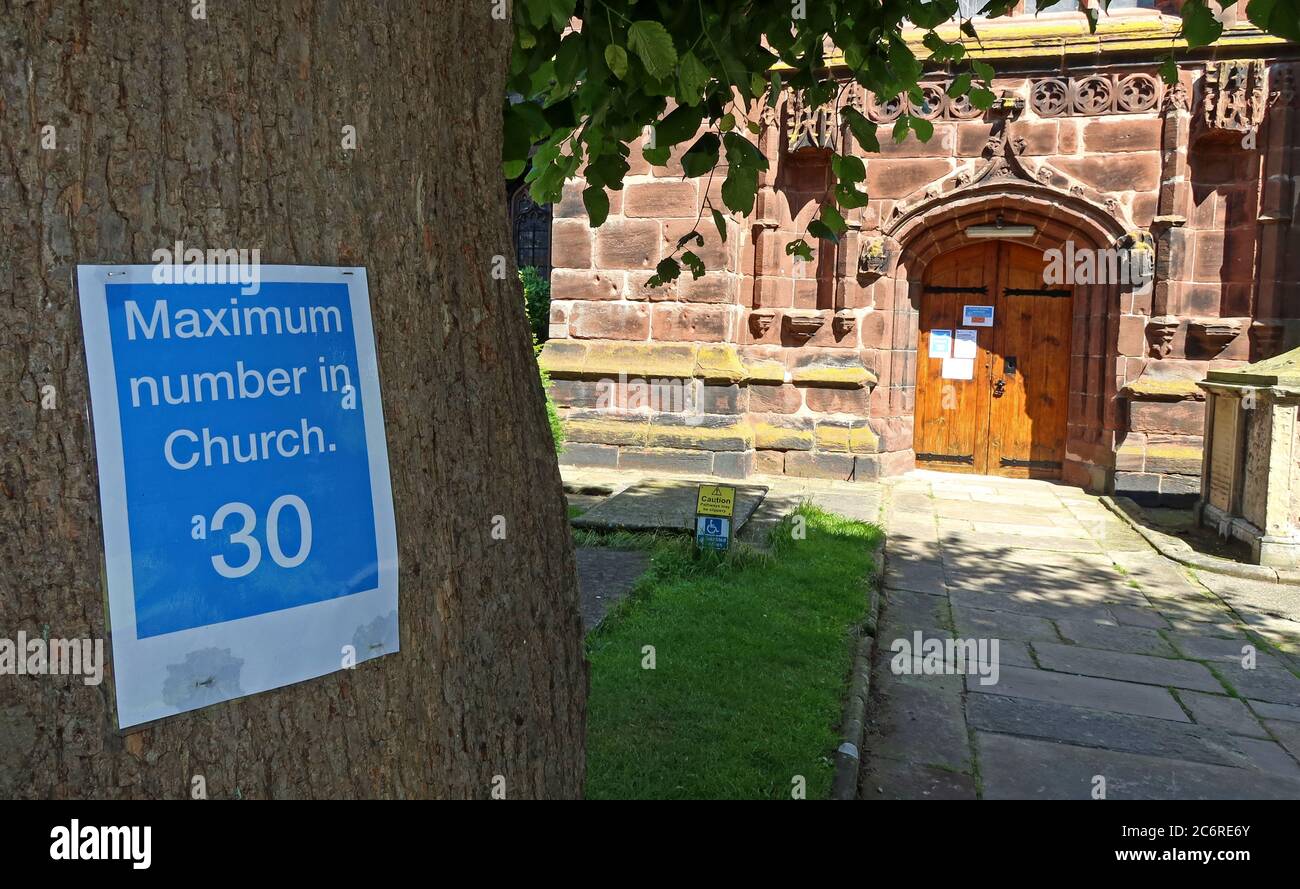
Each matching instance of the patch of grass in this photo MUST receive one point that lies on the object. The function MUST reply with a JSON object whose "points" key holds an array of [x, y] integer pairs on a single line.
{"points": [[752, 653]]}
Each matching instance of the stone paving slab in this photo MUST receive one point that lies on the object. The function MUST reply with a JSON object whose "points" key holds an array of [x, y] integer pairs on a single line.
{"points": [[885, 778], [921, 725], [1123, 666], [1098, 634], [1025, 768], [1099, 728], [1218, 711], [1084, 691], [1112, 660]]}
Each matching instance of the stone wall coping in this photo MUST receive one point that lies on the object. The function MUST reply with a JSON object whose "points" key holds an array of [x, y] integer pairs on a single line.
{"points": [[711, 362]]}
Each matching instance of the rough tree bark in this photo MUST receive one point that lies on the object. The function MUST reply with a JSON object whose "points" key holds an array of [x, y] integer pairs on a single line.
{"points": [[226, 132]]}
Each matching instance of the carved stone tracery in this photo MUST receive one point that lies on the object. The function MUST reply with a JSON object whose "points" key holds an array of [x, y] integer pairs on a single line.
{"points": [[1095, 94]]}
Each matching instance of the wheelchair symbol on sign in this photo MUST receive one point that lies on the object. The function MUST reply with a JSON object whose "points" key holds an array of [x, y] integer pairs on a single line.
{"points": [[713, 527]]}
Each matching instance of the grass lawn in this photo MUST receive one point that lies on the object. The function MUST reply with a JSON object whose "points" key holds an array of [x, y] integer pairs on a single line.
{"points": [[752, 660]]}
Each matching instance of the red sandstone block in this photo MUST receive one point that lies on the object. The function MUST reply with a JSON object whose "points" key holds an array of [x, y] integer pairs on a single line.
{"points": [[636, 288], [773, 293], [1132, 335], [681, 323], [570, 244], [662, 199], [1040, 137], [899, 177], [1134, 171], [806, 464], [609, 320], [585, 284], [769, 462], [627, 244], [838, 401], [1067, 136], [1122, 133], [715, 287], [783, 399], [1182, 417], [972, 136], [715, 253]]}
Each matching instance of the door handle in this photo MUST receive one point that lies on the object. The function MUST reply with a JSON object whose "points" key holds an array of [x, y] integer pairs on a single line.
{"points": [[998, 388]]}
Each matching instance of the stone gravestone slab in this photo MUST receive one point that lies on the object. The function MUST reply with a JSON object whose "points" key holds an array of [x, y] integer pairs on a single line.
{"points": [[667, 505]]}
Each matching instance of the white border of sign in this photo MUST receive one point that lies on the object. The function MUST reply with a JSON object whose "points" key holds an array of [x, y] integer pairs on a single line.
{"points": [[140, 666]]}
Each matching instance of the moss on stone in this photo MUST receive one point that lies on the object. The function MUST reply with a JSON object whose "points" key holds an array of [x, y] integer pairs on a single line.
{"points": [[764, 370], [847, 439], [833, 375], [781, 438], [719, 362], [611, 432], [1166, 389], [733, 437]]}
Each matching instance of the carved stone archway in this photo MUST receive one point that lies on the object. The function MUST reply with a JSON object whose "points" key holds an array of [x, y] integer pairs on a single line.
{"points": [[935, 220]]}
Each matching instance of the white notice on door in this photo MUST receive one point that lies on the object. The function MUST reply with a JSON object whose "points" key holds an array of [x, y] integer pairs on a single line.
{"points": [[940, 343], [964, 345], [958, 369]]}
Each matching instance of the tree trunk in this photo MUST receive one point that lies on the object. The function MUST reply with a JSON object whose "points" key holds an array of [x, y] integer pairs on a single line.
{"points": [[227, 132]]}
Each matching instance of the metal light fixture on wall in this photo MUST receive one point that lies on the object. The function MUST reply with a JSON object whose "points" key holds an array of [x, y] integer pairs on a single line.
{"points": [[1000, 229]]}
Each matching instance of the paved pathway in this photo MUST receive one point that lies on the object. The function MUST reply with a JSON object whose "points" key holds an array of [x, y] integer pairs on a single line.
{"points": [[1114, 665]]}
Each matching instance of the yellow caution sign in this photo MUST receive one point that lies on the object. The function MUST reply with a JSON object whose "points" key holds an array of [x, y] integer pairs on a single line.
{"points": [[716, 500]]}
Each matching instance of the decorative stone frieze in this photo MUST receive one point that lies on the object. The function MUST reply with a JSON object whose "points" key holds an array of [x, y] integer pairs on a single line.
{"points": [[1095, 94]]}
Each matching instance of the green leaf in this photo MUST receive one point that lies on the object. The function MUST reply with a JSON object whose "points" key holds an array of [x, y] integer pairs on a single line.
{"points": [[960, 84], [679, 125], [799, 247], [849, 197], [727, 123], [616, 59], [819, 229], [657, 157], [1200, 27], [513, 169], [597, 204], [983, 70], [848, 168], [1278, 17], [924, 129], [833, 220], [968, 29], [702, 156], [864, 131], [743, 153], [1091, 13], [1169, 71], [740, 188], [653, 45], [721, 222], [569, 59], [693, 78], [981, 98]]}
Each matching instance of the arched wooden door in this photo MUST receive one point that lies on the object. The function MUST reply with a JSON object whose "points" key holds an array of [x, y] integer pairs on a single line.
{"points": [[993, 364]]}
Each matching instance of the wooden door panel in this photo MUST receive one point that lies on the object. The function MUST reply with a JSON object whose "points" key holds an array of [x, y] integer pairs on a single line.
{"points": [[1027, 423], [951, 416]]}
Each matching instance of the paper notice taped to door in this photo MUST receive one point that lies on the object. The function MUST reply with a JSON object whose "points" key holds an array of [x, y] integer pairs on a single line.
{"points": [[958, 369], [964, 346], [940, 343]]}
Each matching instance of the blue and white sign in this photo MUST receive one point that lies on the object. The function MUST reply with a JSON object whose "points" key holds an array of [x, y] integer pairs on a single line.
{"points": [[248, 517], [712, 532]]}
